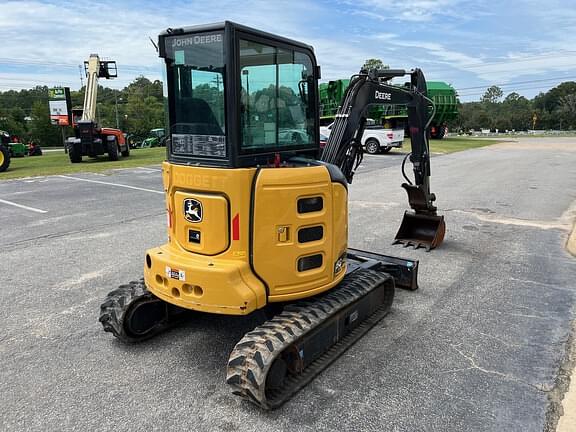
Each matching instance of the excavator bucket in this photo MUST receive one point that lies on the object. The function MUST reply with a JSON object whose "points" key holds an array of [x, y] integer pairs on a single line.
{"points": [[421, 230], [420, 227]]}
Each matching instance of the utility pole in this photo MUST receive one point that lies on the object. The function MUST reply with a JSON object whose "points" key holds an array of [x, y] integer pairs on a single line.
{"points": [[116, 99], [81, 76], [64, 139]]}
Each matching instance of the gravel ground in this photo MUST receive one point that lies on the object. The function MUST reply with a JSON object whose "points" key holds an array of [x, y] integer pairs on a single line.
{"points": [[480, 346]]}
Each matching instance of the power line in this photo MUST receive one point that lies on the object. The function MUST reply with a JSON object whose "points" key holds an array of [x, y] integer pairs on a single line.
{"points": [[463, 89], [141, 69], [510, 91], [26, 62], [518, 60], [517, 82]]}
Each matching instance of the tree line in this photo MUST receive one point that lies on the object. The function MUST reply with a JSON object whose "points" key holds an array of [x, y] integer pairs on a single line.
{"points": [[551, 110], [136, 109]]}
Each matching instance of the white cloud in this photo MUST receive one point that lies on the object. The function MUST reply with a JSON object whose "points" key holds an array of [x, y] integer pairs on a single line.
{"points": [[415, 10], [63, 37], [450, 40]]}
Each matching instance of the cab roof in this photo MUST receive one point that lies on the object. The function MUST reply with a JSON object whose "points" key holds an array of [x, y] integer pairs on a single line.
{"points": [[175, 31]]}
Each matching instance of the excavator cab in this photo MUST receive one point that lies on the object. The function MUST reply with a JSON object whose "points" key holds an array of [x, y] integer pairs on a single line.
{"points": [[239, 97]]}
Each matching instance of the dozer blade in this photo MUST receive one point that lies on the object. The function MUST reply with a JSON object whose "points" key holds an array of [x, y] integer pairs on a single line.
{"points": [[420, 230]]}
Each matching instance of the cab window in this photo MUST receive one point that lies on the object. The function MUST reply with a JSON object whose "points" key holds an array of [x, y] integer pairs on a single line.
{"points": [[276, 109]]}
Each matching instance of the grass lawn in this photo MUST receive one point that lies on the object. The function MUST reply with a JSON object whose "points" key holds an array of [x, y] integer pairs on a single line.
{"points": [[59, 163], [454, 144]]}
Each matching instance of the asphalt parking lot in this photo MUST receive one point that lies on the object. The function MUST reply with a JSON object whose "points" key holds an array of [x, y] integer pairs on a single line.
{"points": [[479, 347]]}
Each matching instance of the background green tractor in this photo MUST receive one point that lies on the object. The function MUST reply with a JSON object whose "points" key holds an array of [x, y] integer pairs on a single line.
{"points": [[18, 149], [156, 138], [15, 147], [4, 151]]}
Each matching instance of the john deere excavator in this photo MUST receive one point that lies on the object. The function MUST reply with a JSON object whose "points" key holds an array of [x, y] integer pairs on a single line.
{"points": [[258, 216]]}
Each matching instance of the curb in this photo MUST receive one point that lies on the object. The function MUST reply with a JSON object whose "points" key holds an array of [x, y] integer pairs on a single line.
{"points": [[566, 422], [571, 244]]}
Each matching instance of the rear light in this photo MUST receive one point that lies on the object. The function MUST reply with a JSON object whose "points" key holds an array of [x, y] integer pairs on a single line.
{"points": [[236, 227]]}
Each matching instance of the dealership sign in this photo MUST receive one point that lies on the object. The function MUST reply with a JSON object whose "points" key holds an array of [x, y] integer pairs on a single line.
{"points": [[60, 106]]}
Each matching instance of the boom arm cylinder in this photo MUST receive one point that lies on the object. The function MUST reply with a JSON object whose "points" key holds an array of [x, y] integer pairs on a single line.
{"points": [[91, 92]]}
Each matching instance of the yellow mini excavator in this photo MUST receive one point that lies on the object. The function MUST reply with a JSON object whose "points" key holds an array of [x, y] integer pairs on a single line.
{"points": [[258, 215]]}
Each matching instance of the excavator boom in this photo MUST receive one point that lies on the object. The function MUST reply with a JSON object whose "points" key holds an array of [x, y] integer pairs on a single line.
{"points": [[421, 226], [95, 68]]}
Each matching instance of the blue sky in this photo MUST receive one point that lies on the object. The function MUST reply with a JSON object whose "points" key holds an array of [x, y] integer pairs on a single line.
{"points": [[526, 46]]}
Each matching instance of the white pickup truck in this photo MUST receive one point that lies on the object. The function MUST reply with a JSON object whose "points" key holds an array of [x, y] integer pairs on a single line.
{"points": [[375, 139]]}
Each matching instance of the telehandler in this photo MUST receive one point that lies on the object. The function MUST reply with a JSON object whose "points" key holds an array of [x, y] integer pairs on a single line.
{"points": [[89, 138], [258, 215]]}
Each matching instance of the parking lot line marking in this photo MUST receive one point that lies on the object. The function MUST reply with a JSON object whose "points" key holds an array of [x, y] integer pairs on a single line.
{"points": [[23, 206], [113, 184], [150, 169]]}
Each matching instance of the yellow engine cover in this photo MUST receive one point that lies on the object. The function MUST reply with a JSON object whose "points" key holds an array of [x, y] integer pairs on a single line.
{"points": [[239, 238], [286, 236]]}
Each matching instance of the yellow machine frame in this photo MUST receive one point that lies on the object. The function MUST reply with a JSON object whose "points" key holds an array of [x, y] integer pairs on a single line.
{"points": [[233, 261]]}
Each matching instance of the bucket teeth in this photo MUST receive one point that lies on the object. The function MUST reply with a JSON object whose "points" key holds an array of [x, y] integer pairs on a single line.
{"points": [[414, 244]]}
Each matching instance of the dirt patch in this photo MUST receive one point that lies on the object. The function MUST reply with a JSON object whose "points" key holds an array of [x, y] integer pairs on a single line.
{"points": [[555, 144]]}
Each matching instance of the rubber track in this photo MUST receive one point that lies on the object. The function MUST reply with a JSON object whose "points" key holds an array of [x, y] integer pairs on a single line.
{"points": [[117, 303], [252, 357]]}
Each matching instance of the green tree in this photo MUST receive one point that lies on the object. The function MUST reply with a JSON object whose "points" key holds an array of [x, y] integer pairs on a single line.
{"points": [[41, 129], [143, 114], [13, 121], [550, 100], [143, 88], [516, 113], [490, 102], [492, 95], [472, 116], [567, 111], [373, 63]]}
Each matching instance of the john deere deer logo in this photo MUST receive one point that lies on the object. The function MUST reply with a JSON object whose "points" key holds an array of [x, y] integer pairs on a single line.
{"points": [[192, 210]]}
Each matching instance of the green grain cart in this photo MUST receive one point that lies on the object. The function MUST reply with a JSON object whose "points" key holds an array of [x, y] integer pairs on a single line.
{"points": [[392, 116], [444, 97], [330, 95]]}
